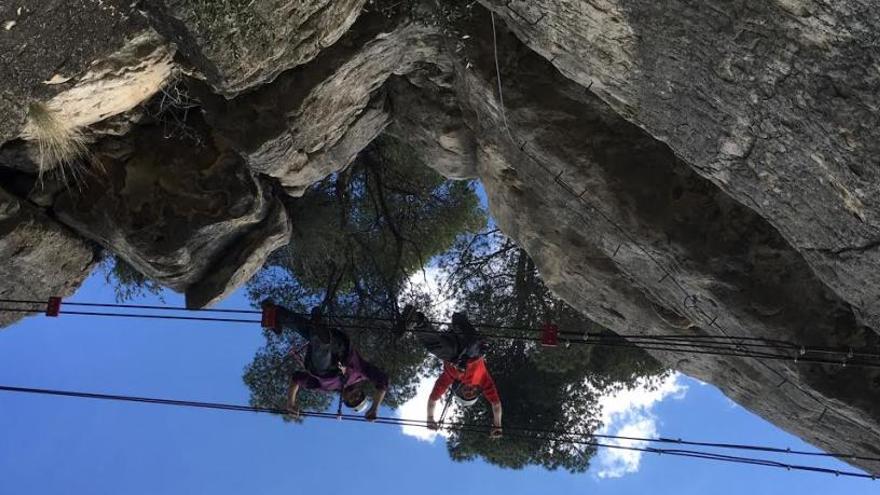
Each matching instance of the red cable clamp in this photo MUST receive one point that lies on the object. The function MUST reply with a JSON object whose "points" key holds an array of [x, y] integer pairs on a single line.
{"points": [[53, 306], [270, 316], [549, 335]]}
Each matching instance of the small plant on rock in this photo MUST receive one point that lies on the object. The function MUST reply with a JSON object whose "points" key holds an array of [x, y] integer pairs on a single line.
{"points": [[59, 144]]}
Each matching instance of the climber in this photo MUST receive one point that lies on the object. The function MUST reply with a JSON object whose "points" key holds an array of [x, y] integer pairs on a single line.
{"points": [[464, 368], [331, 364]]}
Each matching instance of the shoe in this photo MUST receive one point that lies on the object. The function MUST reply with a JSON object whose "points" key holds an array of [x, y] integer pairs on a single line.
{"points": [[274, 325], [408, 320]]}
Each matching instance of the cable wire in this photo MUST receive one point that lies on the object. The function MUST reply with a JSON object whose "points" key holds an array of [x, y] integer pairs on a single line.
{"points": [[739, 341], [560, 436], [715, 346]]}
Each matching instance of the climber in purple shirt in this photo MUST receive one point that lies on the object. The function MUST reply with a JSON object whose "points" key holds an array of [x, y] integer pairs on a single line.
{"points": [[332, 365]]}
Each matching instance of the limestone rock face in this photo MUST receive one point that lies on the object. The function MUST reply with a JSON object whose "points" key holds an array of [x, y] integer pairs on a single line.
{"points": [[632, 236], [116, 83], [699, 168], [775, 102], [239, 44], [38, 257], [47, 45], [189, 215], [427, 117], [314, 119]]}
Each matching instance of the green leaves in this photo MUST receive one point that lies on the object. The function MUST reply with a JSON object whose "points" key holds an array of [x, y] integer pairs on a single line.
{"points": [[128, 283], [358, 236], [546, 389], [361, 234]]}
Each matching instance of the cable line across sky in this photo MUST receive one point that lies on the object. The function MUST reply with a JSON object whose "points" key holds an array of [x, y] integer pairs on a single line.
{"points": [[749, 347], [730, 346], [584, 439]]}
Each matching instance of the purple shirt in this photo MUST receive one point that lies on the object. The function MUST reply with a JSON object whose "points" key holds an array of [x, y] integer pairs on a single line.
{"points": [[357, 370]]}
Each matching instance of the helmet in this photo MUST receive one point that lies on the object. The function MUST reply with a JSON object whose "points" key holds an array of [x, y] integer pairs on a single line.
{"points": [[355, 398], [467, 395], [360, 406]]}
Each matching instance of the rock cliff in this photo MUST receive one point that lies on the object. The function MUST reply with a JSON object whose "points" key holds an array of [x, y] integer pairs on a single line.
{"points": [[704, 168]]}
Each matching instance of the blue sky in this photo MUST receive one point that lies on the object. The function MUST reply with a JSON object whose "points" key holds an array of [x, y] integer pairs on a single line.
{"points": [[59, 445]]}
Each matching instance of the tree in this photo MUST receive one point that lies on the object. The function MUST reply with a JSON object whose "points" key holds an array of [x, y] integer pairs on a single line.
{"points": [[128, 283], [555, 389], [358, 237]]}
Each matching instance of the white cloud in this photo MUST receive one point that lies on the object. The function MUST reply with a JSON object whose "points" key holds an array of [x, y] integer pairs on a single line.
{"points": [[416, 408], [630, 413]]}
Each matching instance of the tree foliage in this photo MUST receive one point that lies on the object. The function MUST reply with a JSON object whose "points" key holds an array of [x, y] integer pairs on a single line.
{"points": [[556, 389], [128, 283], [358, 237]]}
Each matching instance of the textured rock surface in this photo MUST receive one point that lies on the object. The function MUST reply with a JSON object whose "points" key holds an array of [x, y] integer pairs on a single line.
{"points": [[314, 108], [189, 216], [240, 44], [55, 41], [776, 102], [38, 257], [706, 167], [644, 212], [428, 118], [116, 83]]}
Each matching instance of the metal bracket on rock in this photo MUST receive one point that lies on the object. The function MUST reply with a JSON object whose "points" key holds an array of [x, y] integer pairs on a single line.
{"points": [[269, 319], [549, 335], [53, 306]]}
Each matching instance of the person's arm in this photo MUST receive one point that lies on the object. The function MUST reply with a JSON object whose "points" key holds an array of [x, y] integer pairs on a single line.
{"points": [[297, 381], [440, 387], [373, 411], [291, 399], [496, 421], [432, 404], [373, 373], [494, 398], [379, 380]]}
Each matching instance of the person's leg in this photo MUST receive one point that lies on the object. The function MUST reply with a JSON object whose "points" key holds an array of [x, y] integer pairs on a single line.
{"points": [[292, 321], [442, 345], [319, 356], [326, 347], [469, 341], [461, 324], [319, 359]]}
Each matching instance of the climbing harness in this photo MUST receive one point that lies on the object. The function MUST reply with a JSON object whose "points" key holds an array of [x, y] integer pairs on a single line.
{"points": [[269, 320]]}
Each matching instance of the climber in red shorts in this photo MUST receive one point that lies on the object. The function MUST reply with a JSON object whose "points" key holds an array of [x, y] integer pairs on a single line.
{"points": [[464, 368]]}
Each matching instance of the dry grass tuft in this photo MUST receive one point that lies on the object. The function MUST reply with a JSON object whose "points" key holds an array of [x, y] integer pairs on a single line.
{"points": [[60, 145]]}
